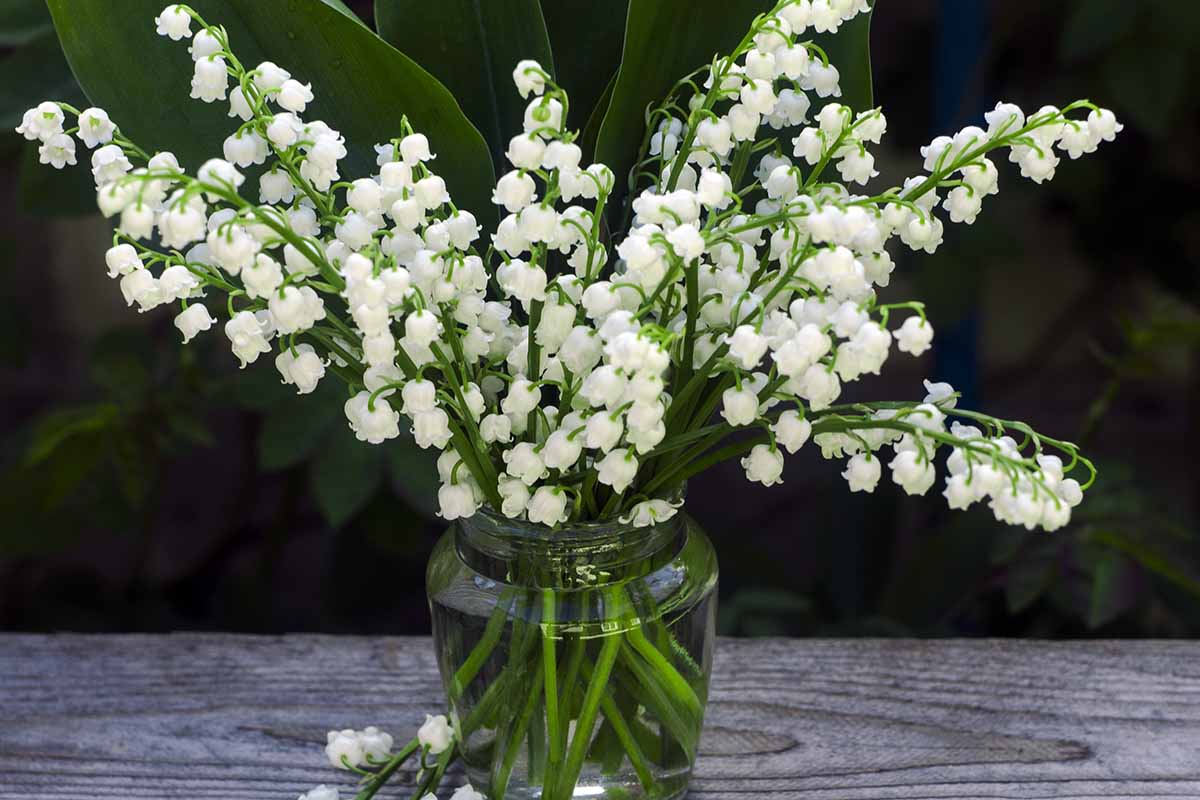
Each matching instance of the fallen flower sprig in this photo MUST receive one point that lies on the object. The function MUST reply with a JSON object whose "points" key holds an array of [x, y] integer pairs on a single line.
{"points": [[368, 753]]}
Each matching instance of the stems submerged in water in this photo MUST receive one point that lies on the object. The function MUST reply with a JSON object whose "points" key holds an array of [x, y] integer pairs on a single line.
{"points": [[575, 668], [566, 697]]}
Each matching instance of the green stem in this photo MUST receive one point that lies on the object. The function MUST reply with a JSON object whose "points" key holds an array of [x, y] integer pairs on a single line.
{"points": [[535, 319], [483, 650], [624, 734], [638, 759], [550, 675], [675, 682], [597, 686], [575, 652], [434, 778], [516, 736], [389, 769], [640, 680]]}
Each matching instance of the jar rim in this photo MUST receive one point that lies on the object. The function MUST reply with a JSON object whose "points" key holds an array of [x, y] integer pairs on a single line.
{"points": [[493, 522]]}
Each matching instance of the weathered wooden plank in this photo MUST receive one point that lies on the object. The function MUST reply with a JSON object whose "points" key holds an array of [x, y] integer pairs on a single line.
{"points": [[217, 716]]}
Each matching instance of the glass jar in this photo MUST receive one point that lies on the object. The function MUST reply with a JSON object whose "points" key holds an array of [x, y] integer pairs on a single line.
{"points": [[575, 660]]}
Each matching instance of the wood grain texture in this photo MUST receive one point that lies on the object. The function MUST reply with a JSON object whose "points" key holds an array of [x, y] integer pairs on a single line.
{"points": [[231, 717]]}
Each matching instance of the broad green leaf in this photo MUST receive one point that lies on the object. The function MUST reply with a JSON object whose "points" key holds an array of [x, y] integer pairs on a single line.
{"points": [[667, 39], [1151, 90], [190, 428], [586, 39], [1169, 22], [1096, 25], [17, 319], [37, 502], [294, 430], [1163, 564], [33, 73], [344, 476], [1104, 604], [21, 21], [472, 47], [124, 376], [363, 86], [587, 137], [664, 40], [134, 465], [51, 192], [1029, 578], [58, 426], [389, 525], [945, 565], [770, 600], [342, 8], [257, 390], [850, 51], [1007, 544], [414, 474]]}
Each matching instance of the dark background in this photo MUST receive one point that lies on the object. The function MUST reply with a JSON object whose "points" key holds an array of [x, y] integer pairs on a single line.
{"points": [[149, 487]]}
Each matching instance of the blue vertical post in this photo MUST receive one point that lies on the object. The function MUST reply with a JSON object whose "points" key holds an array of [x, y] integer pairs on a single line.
{"points": [[958, 101]]}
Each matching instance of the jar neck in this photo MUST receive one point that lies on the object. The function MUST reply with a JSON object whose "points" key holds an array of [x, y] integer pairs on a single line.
{"points": [[577, 556]]}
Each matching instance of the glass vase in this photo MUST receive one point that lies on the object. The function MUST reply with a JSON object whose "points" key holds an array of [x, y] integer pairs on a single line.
{"points": [[576, 660]]}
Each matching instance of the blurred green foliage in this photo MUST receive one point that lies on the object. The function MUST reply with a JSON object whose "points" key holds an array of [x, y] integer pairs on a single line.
{"points": [[154, 404]]}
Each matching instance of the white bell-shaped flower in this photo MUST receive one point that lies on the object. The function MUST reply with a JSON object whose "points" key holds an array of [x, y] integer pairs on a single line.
{"points": [[193, 320], [549, 506], [764, 465]]}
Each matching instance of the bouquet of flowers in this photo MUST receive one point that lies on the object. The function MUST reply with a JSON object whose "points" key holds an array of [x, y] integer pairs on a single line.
{"points": [[580, 360]]}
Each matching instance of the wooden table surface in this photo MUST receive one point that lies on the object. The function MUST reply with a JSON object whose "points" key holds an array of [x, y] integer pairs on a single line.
{"points": [[234, 717]]}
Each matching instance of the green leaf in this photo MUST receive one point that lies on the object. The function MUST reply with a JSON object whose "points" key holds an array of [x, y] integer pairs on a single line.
{"points": [[36, 502], [591, 131], [342, 8], [190, 428], [17, 320], [850, 51], [950, 563], [1150, 90], [667, 39], [363, 86], [293, 430], [664, 40], [1096, 26], [414, 473], [1007, 544], [1030, 577], [48, 192], [135, 466], [472, 47], [31, 74], [762, 612], [587, 39], [344, 476], [52, 430], [123, 375], [21, 21], [1150, 558], [1104, 603], [257, 390]]}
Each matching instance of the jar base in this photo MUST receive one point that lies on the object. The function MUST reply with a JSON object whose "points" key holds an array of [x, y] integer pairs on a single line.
{"points": [[593, 785]]}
